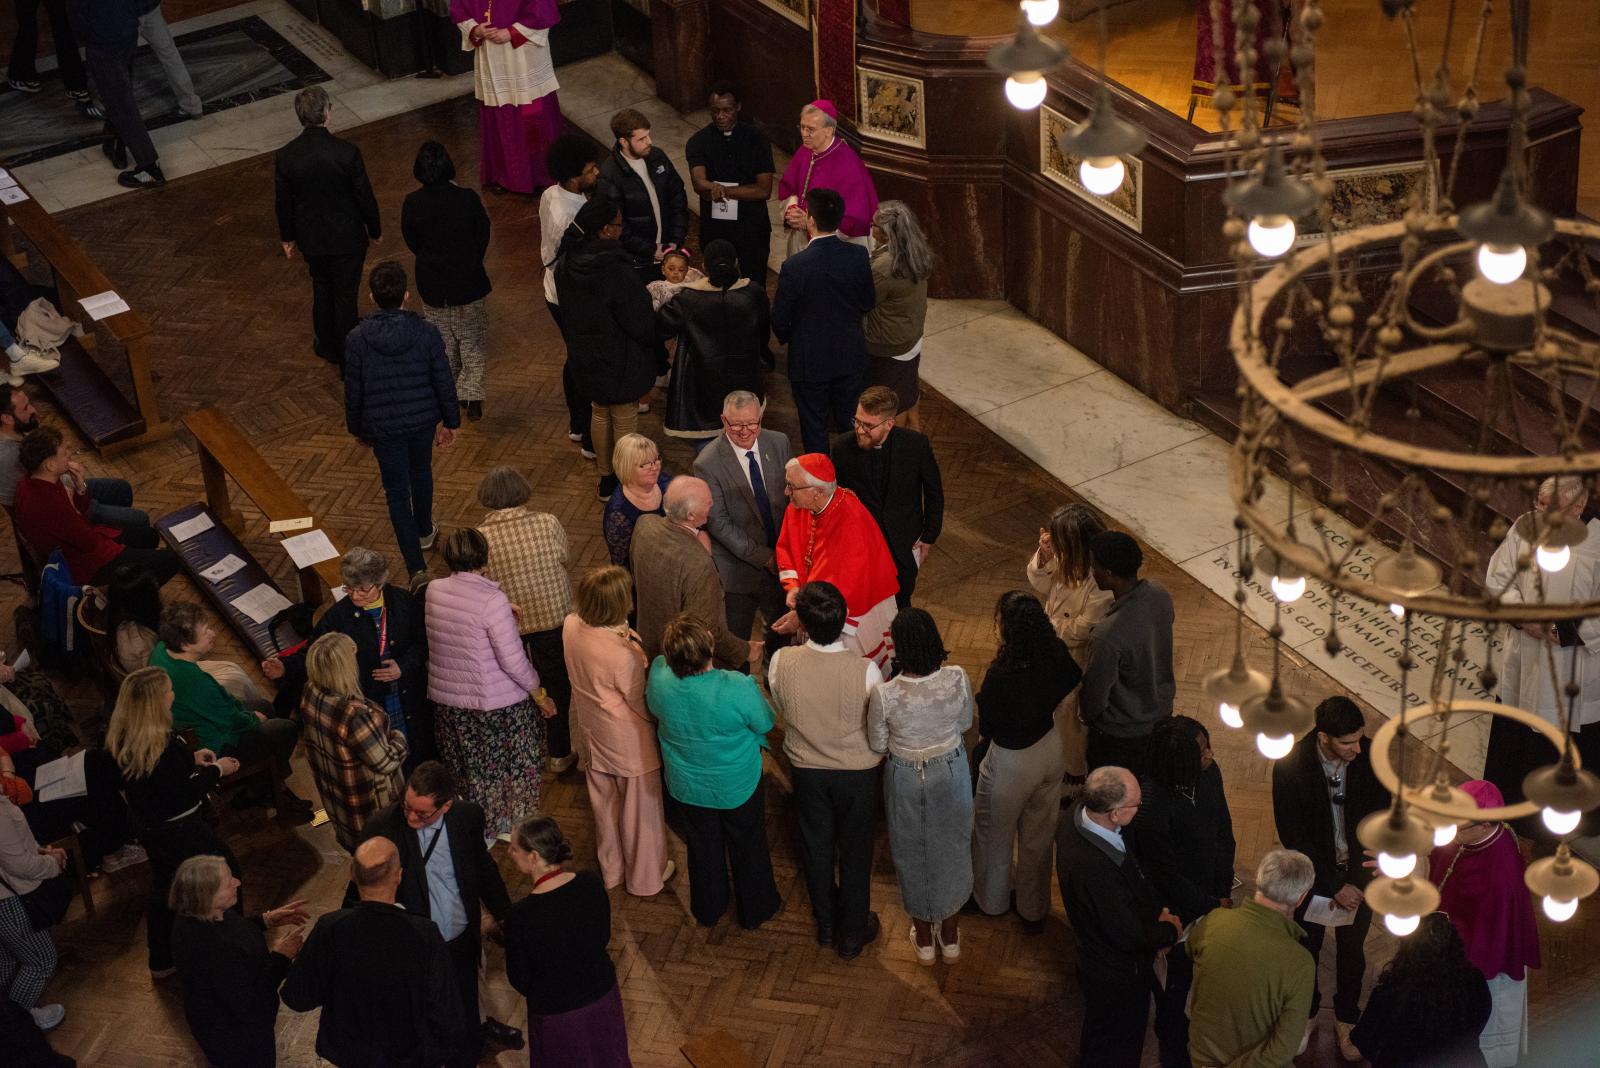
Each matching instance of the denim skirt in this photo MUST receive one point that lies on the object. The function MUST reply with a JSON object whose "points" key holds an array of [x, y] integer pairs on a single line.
{"points": [[930, 831]]}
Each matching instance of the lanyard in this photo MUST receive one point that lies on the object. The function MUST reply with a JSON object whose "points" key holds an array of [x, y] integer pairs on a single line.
{"points": [[436, 836], [383, 631], [546, 877]]}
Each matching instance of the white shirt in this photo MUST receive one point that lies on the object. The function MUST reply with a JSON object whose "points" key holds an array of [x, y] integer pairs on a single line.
{"points": [[1332, 769], [557, 209], [874, 676], [742, 456], [638, 166], [1113, 837]]}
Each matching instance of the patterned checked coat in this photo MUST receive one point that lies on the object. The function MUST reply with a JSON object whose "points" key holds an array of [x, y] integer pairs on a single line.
{"points": [[355, 758], [528, 558]]}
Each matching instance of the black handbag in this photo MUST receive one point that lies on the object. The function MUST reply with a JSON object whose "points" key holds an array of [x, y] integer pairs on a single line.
{"points": [[47, 903]]}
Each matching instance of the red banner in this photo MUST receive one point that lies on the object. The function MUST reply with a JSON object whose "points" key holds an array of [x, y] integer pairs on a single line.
{"points": [[835, 45]]}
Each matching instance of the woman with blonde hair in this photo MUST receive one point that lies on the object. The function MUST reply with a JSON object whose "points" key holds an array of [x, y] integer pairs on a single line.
{"points": [[615, 735], [354, 751], [528, 558], [230, 974], [1059, 573], [641, 490], [166, 787]]}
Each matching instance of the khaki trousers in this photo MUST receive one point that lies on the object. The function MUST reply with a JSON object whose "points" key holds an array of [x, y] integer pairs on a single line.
{"points": [[607, 423]]}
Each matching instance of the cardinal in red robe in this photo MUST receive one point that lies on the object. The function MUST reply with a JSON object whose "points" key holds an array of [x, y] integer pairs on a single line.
{"points": [[829, 536]]}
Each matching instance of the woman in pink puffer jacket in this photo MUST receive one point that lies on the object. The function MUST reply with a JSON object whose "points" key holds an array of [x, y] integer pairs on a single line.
{"points": [[487, 695]]}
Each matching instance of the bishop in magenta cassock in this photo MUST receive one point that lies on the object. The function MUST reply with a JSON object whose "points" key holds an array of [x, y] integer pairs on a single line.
{"points": [[824, 161], [1479, 877], [515, 82], [829, 536]]}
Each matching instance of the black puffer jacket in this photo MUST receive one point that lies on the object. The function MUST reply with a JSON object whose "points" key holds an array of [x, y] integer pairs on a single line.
{"points": [[607, 322], [723, 343], [396, 379], [622, 184]]}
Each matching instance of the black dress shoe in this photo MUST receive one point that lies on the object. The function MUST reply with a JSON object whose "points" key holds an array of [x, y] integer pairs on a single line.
{"points": [[824, 934], [852, 950], [501, 1034], [475, 410], [142, 177]]}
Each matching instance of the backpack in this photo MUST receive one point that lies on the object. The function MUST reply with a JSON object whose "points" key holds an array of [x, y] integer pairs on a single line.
{"points": [[59, 643]]}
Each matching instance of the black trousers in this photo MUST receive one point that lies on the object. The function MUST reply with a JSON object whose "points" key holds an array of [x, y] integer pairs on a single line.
{"points": [[838, 813], [819, 402], [753, 244], [465, 949], [335, 288], [25, 49], [1105, 749], [721, 840], [741, 607], [113, 82], [1350, 961], [144, 549], [1115, 1012], [169, 845], [274, 737], [100, 811], [549, 659], [1172, 1021], [578, 410]]}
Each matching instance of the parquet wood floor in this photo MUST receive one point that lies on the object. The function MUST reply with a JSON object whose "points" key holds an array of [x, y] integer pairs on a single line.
{"points": [[200, 257]]}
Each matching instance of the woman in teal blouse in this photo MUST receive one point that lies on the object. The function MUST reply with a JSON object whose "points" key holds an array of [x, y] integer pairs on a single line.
{"points": [[712, 727]]}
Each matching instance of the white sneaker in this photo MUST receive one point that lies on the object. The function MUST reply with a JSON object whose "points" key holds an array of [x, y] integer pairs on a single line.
{"points": [[644, 407], [925, 954], [29, 363], [427, 540], [47, 1016], [950, 951], [126, 857], [587, 454], [574, 437]]}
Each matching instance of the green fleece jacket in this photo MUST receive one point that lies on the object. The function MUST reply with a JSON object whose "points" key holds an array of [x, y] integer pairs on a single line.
{"points": [[201, 704], [1252, 988]]}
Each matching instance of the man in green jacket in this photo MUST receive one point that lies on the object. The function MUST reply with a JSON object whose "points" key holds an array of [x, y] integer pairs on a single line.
{"points": [[1252, 977], [199, 703]]}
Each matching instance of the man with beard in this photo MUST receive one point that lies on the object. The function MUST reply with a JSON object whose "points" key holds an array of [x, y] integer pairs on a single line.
{"points": [[110, 499]]}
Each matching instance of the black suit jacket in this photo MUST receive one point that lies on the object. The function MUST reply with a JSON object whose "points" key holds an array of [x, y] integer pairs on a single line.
{"points": [[622, 184], [324, 200], [386, 987], [477, 875], [407, 646], [909, 501], [1111, 905], [824, 290], [1304, 812]]}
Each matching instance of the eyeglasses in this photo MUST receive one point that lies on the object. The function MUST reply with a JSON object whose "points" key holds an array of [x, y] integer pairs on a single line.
{"points": [[370, 587], [417, 813], [650, 463], [742, 427], [869, 427]]}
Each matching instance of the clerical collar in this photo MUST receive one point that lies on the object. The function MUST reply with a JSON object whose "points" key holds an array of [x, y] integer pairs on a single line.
{"points": [[815, 155], [825, 507]]}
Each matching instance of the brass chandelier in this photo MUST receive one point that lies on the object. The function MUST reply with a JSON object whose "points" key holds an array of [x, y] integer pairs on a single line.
{"points": [[1450, 504]]}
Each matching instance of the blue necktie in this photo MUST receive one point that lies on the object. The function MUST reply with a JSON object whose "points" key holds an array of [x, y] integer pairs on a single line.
{"points": [[763, 502]]}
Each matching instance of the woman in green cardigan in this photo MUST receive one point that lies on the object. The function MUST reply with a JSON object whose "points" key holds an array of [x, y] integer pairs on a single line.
{"points": [[712, 727]]}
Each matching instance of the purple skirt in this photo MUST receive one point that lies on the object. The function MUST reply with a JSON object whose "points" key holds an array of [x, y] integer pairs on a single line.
{"points": [[595, 1036]]}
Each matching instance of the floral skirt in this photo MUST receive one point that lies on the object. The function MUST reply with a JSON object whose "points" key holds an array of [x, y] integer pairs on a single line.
{"points": [[497, 754]]}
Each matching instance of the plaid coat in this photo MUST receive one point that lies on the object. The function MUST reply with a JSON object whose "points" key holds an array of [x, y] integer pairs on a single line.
{"points": [[355, 758], [528, 558]]}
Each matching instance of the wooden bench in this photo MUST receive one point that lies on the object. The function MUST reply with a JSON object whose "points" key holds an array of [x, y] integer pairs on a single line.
{"points": [[80, 387]]}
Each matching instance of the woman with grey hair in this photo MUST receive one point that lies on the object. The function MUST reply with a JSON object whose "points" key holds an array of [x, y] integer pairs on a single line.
{"points": [[385, 622], [901, 263], [230, 972], [528, 558]]}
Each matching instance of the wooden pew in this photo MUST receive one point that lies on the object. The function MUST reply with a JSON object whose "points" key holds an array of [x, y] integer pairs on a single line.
{"points": [[95, 403], [226, 453]]}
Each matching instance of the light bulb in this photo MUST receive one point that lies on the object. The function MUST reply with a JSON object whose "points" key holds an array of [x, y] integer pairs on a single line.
{"points": [[1230, 715], [1026, 90], [1287, 590], [1271, 235], [1398, 610], [1552, 560], [1400, 926], [1397, 867], [1444, 835], [1041, 12], [1561, 822], [1102, 175], [1274, 748], [1559, 910], [1502, 264]]}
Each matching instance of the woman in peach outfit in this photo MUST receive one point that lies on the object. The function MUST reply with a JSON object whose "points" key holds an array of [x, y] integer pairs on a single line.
{"points": [[614, 736]]}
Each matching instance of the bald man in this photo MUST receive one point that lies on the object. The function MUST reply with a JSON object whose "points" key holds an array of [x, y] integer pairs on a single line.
{"points": [[1117, 921], [673, 573], [380, 975]]}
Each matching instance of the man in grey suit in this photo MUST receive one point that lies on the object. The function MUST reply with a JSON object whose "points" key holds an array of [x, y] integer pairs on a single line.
{"points": [[744, 468]]}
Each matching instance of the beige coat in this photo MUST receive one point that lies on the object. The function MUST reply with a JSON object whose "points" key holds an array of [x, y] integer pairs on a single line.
{"points": [[609, 719], [672, 574], [1073, 610]]}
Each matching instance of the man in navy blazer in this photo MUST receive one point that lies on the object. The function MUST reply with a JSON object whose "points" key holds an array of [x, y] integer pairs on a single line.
{"points": [[824, 291]]}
